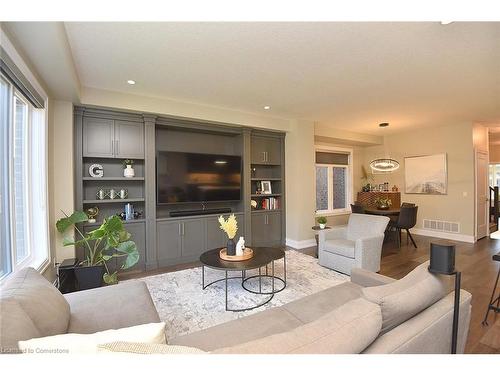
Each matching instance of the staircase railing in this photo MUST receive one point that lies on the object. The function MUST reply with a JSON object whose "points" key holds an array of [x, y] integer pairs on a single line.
{"points": [[494, 206]]}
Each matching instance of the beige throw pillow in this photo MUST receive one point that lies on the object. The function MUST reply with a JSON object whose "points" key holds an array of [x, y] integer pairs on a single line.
{"points": [[142, 348], [74, 343], [404, 298]]}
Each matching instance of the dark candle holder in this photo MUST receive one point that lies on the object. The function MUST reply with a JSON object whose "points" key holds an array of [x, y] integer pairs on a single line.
{"points": [[442, 262]]}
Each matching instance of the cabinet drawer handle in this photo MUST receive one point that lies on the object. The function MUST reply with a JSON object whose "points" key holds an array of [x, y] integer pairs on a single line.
{"points": [[183, 231], [117, 147], [112, 147]]}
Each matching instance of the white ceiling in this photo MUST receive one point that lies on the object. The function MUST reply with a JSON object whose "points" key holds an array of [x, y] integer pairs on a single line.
{"points": [[344, 75]]}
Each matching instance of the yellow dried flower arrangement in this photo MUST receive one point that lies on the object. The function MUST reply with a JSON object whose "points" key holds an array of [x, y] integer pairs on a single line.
{"points": [[230, 226]]}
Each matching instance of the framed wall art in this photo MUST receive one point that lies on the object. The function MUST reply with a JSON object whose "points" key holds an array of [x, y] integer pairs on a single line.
{"points": [[426, 174]]}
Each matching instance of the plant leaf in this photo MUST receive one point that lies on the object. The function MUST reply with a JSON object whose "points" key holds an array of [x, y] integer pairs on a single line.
{"points": [[107, 257], [97, 234], [124, 236], [69, 241], [110, 279], [113, 224], [77, 217], [130, 249]]}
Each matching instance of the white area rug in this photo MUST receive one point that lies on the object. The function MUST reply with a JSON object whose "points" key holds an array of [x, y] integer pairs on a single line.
{"points": [[186, 307]]}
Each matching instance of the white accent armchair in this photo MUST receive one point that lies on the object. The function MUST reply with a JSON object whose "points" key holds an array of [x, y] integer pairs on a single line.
{"points": [[355, 245]]}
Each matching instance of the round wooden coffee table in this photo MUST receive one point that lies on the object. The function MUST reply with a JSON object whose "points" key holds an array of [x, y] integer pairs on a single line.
{"points": [[263, 257]]}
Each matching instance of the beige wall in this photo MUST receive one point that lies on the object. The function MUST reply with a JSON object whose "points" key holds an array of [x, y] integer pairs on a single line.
{"points": [[480, 137], [171, 107], [494, 152], [454, 140], [300, 200], [61, 177]]}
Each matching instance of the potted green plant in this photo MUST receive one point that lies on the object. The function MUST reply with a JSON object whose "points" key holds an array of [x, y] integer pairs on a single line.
{"points": [[101, 245], [383, 203], [128, 171], [322, 222]]}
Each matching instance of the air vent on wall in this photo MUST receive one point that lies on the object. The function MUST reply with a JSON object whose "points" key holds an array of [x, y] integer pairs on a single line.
{"points": [[442, 226]]}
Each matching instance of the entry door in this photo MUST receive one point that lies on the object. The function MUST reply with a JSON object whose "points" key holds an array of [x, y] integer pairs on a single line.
{"points": [[482, 198]]}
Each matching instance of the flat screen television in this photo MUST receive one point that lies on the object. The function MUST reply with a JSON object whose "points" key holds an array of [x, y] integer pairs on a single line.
{"points": [[183, 177]]}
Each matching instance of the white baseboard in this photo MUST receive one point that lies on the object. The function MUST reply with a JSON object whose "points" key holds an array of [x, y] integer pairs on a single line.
{"points": [[300, 244], [444, 235]]}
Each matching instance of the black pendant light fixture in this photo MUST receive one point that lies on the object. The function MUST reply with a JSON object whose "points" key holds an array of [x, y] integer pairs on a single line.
{"points": [[384, 165]]}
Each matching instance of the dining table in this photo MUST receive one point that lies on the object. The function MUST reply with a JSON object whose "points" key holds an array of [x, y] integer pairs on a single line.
{"points": [[382, 212]]}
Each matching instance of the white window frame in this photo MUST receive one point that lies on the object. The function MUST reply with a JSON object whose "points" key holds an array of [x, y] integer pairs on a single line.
{"points": [[350, 180], [36, 218]]}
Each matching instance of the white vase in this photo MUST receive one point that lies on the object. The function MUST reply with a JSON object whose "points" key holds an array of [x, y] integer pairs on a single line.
{"points": [[129, 171], [322, 226], [240, 246]]}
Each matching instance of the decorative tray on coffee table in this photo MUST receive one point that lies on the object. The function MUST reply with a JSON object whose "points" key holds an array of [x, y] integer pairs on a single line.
{"points": [[247, 254]]}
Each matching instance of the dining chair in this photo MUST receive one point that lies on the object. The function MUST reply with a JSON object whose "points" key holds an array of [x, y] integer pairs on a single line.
{"points": [[407, 219], [406, 204], [357, 208]]}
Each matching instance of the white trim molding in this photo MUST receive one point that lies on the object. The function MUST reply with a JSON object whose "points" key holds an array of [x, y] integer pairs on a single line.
{"points": [[300, 244], [444, 235]]}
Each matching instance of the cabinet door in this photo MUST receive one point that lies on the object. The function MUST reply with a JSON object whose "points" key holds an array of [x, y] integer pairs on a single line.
{"points": [[215, 235], [273, 228], [265, 150], [138, 235], [258, 150], [129, 137], [193, 237], [273, 151], [168, 241], [259, 229], [98, 138]]}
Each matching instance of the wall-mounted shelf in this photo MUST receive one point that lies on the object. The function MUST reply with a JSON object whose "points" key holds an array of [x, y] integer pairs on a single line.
{"points": [[100, 201], [113, 178], [259, 211], [265, 195], [266, 179], [123, 221]]}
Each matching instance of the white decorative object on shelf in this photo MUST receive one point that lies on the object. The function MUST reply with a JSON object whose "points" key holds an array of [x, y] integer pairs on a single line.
{"points": [[123, 193], [322, 226], [96, 171], [129, 171], [240, 246]]}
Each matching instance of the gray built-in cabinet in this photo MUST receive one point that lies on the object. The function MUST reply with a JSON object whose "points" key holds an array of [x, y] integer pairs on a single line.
{"points": [[266, 150], [104, 138], [107, 137], [266, 228], [184, 240]]}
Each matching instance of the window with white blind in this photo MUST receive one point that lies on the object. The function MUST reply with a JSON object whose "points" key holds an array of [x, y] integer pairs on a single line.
{"points": [[23, 187], [333, 181]]}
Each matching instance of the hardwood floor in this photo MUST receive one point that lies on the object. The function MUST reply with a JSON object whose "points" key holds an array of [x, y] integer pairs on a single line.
{"points": [[478, 275]]}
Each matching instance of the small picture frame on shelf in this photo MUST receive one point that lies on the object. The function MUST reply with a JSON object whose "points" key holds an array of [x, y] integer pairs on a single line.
{"points": [[265, 187]]}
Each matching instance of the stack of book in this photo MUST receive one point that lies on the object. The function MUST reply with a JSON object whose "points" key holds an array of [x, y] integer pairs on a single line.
{"points": [[270, 204]]}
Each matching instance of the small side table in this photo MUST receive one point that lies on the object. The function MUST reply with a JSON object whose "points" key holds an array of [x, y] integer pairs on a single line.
{"points": [[317, 229]]}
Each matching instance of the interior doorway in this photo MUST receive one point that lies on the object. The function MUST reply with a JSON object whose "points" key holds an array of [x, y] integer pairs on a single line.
{"points": [[482, 194]]}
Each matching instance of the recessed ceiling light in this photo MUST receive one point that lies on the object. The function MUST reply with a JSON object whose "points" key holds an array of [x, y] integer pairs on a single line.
{"points": [[131, 82], [446, 22], [266, 107]]}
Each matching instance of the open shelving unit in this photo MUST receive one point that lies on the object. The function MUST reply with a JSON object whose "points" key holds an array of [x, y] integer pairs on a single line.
{"points": [[272, 174]]}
